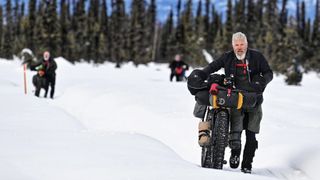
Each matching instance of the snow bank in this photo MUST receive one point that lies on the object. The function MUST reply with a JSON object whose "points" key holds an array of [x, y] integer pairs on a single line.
{"points": [[132, 123]]}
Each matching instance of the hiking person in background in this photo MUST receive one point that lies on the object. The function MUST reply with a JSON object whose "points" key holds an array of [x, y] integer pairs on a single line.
{"points": [[39, 81], [294, 73], [251, 73], [48, 66], [178, 68]]}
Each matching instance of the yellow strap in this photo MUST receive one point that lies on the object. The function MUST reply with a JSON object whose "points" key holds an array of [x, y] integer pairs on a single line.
{"points": [[214, 99], [240, 101]]}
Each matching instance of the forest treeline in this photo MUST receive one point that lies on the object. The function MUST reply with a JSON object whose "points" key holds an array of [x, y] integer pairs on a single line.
{"points": [[102, 30]]}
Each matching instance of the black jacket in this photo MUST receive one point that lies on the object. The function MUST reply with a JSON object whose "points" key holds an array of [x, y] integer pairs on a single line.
{"points": [[258, 66], [50, 67], [174, 64]]}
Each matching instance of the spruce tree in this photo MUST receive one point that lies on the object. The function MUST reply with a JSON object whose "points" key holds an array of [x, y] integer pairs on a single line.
{"points": [[199, 20], [206, 22], [117, 31], [8, 43], [93, 32], [1, 31], [214, 26], [105, 36], [284, 14], [64, 29], [31, 24], [316, 26], [151, 29], [223, 43], [252, 24], [240, 18], [79, 29], [167, 39], [139, 51], [303, 21], [51, 35]]}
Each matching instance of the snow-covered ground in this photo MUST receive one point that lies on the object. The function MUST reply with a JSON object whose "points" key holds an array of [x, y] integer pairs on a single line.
{"points": [[132, 123]]}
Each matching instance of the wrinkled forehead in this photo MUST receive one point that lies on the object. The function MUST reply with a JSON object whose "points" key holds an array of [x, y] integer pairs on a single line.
{"points": [[239, 41], [46, 54]]}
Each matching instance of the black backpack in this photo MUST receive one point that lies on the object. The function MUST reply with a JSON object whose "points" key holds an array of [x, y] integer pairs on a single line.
{"points": [[196, 81]]}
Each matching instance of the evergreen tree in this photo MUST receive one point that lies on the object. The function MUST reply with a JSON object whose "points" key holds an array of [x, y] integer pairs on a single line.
{"points": [[307, 32], [224, 42], [79, 29], [303, 21], [105, 36], [284, 14], [316, 26], [16, 31], [93, 32], [117, 29], [298, 17], [240, 18], [166, 39], [38, 38], [199, 20], [8, 45], [64, 29], [178, 11], [51, 35], [253, 24], [31, 24], [1, 31], [206, 22], [139, 50], [150, 29], [215, 26]]}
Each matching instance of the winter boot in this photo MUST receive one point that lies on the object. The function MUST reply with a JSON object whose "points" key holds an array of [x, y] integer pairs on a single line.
{"points": [[248, 154], [234, 160], [204, 133]]}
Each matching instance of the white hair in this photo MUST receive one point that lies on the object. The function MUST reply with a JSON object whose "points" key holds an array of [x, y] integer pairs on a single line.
{"points": [[239, 36]]}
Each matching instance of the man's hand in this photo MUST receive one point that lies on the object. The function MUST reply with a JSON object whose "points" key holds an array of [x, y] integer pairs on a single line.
{"points": [[214, 89], [258, 83]]}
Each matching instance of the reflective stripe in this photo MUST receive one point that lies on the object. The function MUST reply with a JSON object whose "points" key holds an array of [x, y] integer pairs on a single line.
{"points": [[240, 101], [214, 99]]}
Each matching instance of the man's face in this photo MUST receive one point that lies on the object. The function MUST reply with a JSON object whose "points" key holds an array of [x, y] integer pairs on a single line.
{"points": [[239, 47], [46, 56], [177, 57]]}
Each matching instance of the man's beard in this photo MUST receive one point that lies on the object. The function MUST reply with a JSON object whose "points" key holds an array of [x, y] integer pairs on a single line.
{"points": [[241, 57]]}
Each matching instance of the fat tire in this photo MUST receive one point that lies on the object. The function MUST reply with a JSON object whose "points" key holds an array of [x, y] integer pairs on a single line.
{"points": [[220, 138]]}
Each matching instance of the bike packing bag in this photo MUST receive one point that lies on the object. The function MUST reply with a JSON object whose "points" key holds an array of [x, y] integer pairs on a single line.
{"points": [[249, 100], [196, 81], [202, 97], [234, 99], [199, 110]]}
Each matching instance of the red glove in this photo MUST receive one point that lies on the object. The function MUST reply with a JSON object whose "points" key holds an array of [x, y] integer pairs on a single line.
{"points": [[214, 89]]}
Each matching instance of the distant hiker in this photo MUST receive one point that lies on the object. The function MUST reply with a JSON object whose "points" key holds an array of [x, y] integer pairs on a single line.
{"points": [[39, 81], [294, 73], [49, 66], [251, 73], [178, 68]]}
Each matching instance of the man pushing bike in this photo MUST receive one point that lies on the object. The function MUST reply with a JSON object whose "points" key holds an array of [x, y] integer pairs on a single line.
{"points": [[251, 73]]}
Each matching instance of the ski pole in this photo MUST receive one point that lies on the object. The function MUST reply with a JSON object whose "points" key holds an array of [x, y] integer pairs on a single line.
{"points": [[25, 78]]}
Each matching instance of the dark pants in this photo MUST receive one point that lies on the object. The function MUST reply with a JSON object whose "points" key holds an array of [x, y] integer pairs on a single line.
{"points": [[40, 82], [179, 77], [250, 122], [51, 82]]}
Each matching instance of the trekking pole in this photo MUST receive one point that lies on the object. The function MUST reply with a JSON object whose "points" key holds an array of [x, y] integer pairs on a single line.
{"points": [[25, 78]]}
